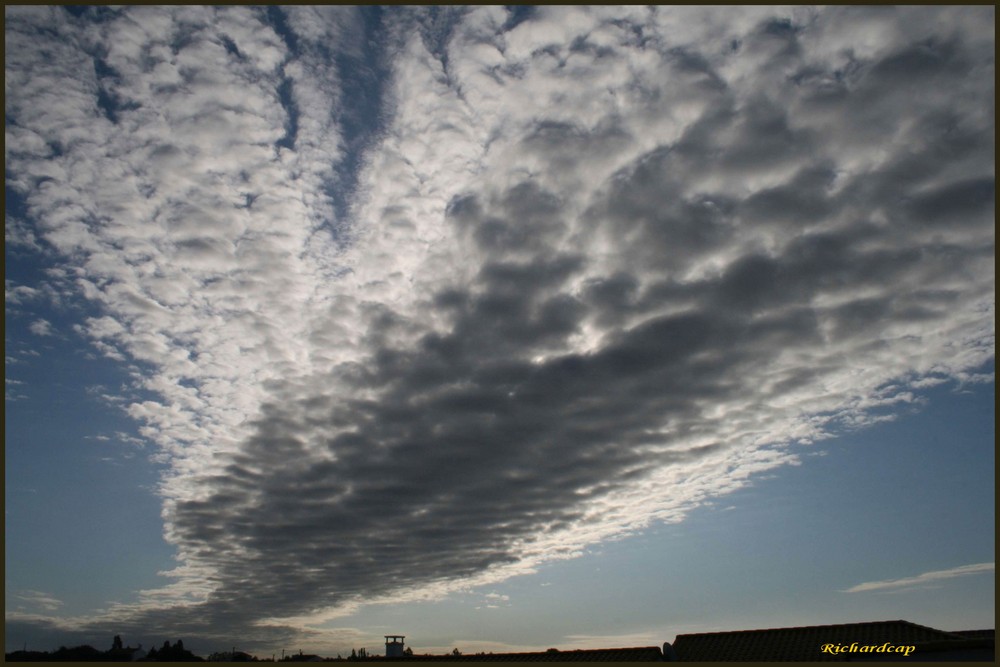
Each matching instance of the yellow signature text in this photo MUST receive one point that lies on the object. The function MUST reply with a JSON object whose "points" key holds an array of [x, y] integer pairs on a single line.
{"points": [[855, 647]]}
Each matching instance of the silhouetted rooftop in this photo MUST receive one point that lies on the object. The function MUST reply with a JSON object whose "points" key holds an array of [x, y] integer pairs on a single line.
{"points": [[976, 634], [805, 643], [640, 654]]}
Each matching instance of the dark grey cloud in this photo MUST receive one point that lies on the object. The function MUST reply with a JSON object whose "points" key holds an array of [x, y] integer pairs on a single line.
{"points": [[568, 313]]}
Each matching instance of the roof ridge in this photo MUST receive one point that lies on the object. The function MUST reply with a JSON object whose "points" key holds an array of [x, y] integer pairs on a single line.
{"points": [[944, 632], [808, 627]]}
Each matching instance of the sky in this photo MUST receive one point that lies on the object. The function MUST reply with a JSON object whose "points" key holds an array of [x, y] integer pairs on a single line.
{"points": [[498, 328]]}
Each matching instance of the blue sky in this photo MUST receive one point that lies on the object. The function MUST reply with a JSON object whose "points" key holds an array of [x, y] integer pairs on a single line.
{"points": [[500, 329]]}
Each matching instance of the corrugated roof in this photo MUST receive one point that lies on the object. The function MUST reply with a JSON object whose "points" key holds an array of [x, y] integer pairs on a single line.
{"points": [[802, 643]]}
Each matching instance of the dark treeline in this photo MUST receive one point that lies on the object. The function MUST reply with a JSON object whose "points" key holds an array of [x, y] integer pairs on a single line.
{"points": [[177, 653], [117, 653]]}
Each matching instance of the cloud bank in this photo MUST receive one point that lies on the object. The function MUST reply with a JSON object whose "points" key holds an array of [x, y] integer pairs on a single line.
{"points": [[578, 270]]}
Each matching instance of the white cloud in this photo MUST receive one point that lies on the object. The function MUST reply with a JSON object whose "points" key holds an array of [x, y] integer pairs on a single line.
{"points": [[494, 600], [921, 580], [41, 328], [16, 294], [38, 600]]}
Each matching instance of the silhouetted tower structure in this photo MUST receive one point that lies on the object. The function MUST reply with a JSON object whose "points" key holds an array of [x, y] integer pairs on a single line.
{"points": [[394, 646]]}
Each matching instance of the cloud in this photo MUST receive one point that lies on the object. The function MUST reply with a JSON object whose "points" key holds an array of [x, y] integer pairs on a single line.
{"points": [[17, 294], [921, 580], [41, 328], [19, 235], [494, 600], [38, 600], [583, 272]]}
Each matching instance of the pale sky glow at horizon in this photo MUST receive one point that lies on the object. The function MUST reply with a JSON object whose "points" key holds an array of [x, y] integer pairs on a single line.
{"points": [[499, 328]]}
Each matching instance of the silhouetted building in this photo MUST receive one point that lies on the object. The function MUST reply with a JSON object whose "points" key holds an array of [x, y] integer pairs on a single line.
{"points": [[877, 641], [394, 646]]}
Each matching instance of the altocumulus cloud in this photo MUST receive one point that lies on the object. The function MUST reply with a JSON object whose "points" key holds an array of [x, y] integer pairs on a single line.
{"points": [[595, 266]]}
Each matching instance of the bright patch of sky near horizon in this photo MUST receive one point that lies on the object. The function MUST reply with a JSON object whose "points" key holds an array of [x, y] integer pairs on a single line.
{"points": [[520, 320]]}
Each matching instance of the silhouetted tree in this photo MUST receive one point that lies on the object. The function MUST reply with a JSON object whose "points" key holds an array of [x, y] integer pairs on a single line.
{"points": [[234, 656], [78, 653], [116, 644], [28, 656], [175, 653]]}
